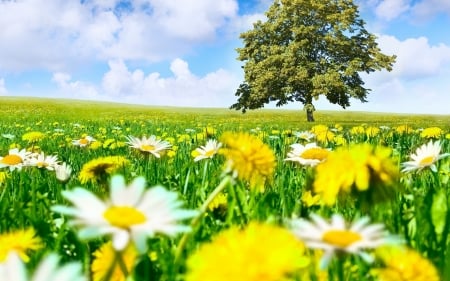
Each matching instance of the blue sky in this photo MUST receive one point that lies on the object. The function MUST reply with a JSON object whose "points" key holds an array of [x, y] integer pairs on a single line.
{"points": [[182, 52]]}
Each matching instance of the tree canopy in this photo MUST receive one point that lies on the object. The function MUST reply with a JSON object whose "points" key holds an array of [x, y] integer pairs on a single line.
{"points": [[304, 49]]}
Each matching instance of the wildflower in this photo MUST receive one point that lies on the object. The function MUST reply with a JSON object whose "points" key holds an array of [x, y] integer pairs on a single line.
{"points": [[104, 258], [41, 161], [3, 177], [307, 155], [323, 133], [248, 158], [15, 159], [426, 156], [337, 237], [357, 130], [97, 169], [304, 136], [404, 129], [402, 263], [19, 241], [372, 131], [63, 172], [8, 136], [13, 269], [208, 151], [33, 137], [431, 132], [257, 252], [310, 200], [84, 141], [367, 170], [150, 145], [132, 213]]}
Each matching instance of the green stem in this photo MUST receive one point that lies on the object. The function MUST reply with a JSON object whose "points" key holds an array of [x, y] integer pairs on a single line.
{"points": [[182, 244], [117, 260]]}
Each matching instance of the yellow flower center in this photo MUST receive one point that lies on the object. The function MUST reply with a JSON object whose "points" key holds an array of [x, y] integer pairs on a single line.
{"points": [[124, 216], [341, 238], [147, 147], [42, 164], [210, 153], [83, 141], [315, 153], [427, 161], [12, 160]]}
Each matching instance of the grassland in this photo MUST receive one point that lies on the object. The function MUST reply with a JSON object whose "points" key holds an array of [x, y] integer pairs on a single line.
{"points": [[369, 150]]}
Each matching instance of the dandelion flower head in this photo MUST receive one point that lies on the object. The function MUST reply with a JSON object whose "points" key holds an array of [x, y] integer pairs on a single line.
{"points": [[259, 252]]}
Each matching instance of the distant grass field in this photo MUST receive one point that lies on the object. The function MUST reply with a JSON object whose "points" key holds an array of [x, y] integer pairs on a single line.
{"points": [[248, 176], [14, 108]]}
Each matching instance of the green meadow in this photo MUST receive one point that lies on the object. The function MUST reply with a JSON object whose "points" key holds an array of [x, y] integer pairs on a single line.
{"points": [[412, 206]]}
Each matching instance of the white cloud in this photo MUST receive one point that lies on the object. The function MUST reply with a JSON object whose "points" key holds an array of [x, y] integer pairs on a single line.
{"points": [[390, 9], [216, 89], [426, 9], [73, 89], [3, 91], [416, 58], [67, 33]]}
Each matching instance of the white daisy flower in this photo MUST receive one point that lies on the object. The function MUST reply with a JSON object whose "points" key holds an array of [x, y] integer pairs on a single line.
{"points": [[338, 237], [63, 172], [83, 142], [132, 213], [426, 156], [305, 135], [41, 161], [308, 155], [151, 144], [207, 151], [13, 269], [8, 136], [15, 159]]}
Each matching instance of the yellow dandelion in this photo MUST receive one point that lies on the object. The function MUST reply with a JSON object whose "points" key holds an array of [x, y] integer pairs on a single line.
{"points": [[309, 200], [20, 242], [33, 137], [404, 129], [404, 264], [104, 258], [367, 170], [431, 132], [97, 169], [3, 177], [323, 133], [248, 158], [259, 252], [357, 130], [372, 132], [340, 140]]}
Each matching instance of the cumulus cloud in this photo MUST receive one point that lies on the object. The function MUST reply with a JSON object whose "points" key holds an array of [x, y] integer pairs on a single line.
{"points": [[426, 9], [183, 88], [390, 9], [3, 91], [416, 58], [66, 33], [74, 89]]}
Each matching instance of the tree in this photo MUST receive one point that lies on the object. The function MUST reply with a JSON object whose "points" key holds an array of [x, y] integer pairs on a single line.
{"points": [[307, 48]]}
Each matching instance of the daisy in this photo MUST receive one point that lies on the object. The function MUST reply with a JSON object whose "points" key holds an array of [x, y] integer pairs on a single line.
{"points": [[426, 156], [338, 237], [83, 142], [63, 172], [15, 159], [207, 151], [149, 145], [41, 161], [13, 269], [132, 213], [8, 136], [307, 155], [305, 135]]}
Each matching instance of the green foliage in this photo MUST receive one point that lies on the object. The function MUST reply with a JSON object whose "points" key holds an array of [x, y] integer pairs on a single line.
{"points": [[308, 48]]}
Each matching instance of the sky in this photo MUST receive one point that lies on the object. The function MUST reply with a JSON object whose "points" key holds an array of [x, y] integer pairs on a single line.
{"points": [[183, 52]]}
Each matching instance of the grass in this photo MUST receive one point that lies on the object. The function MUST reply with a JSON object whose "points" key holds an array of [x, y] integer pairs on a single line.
{"points": [[417, 210]]}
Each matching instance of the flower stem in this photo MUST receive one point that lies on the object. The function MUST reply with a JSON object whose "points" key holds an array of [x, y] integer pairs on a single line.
{"points": [[182, 244]]}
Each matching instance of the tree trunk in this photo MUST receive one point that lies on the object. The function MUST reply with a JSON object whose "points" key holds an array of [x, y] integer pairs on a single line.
{"points": [[310, 115]]}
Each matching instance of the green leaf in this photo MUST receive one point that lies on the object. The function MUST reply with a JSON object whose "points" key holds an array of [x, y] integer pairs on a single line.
{"points": [[439, 211]]}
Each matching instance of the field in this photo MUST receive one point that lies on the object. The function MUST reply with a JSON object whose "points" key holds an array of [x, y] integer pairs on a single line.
{"points": [[274, 198]]}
